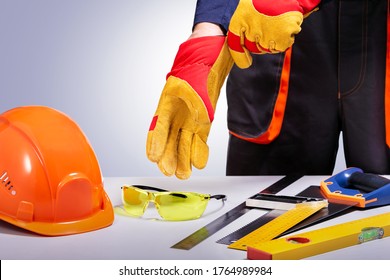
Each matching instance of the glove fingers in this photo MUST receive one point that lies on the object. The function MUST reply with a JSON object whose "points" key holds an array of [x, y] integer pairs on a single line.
{"points": [[242, 59], [284, 31], [155, 144], [164, 121], [168, 162], [199, 152], [157, 139], [241, 56], [184, 169]]}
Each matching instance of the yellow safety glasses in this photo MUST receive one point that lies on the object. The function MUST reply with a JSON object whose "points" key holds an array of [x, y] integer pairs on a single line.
{"points": [[173, 206]]}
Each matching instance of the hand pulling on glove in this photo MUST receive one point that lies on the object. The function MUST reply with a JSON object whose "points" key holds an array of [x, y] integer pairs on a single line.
{"points": [[178, 133], [265, 26]]}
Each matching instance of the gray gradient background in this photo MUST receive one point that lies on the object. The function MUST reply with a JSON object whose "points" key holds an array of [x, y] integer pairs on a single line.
{"points": [[103, 63]]}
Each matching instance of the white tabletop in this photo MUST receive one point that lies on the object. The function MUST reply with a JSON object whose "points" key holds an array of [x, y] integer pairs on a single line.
{"points": [[149, 237]]}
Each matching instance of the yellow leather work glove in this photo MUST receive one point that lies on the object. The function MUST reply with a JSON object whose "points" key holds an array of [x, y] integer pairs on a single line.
{"points": [[178, 133], [265, 26]]}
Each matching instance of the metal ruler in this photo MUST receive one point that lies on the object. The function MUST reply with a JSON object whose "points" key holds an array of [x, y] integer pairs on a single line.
{"points": [[332, 210], [219, 223], [279, 225], [322, 240]]}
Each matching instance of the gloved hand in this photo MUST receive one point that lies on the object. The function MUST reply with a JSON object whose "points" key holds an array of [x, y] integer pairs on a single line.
{"points": [[265, 26], [178, 133]]}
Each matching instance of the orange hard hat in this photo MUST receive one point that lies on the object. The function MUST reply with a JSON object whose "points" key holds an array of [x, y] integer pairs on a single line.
{"points": [[50, 179]]}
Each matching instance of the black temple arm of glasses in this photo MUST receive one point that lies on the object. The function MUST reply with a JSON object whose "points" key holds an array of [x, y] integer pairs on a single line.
{"points": [[216, 196], [158, 190], [219, 196], [149, 188]]}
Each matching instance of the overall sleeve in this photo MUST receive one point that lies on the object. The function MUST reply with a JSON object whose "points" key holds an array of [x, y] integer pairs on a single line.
{"points": [[215, 11]]}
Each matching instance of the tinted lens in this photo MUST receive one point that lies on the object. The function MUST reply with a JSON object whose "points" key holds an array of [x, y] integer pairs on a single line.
{"points": [[181, 206], [134, 200]]}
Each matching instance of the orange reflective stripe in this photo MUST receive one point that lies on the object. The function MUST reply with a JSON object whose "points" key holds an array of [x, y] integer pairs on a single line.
{"points": [[279, 109], [387, 85]]}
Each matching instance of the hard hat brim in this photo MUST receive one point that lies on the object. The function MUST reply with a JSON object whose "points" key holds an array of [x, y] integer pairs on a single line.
{"points": [[101, 219]]}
